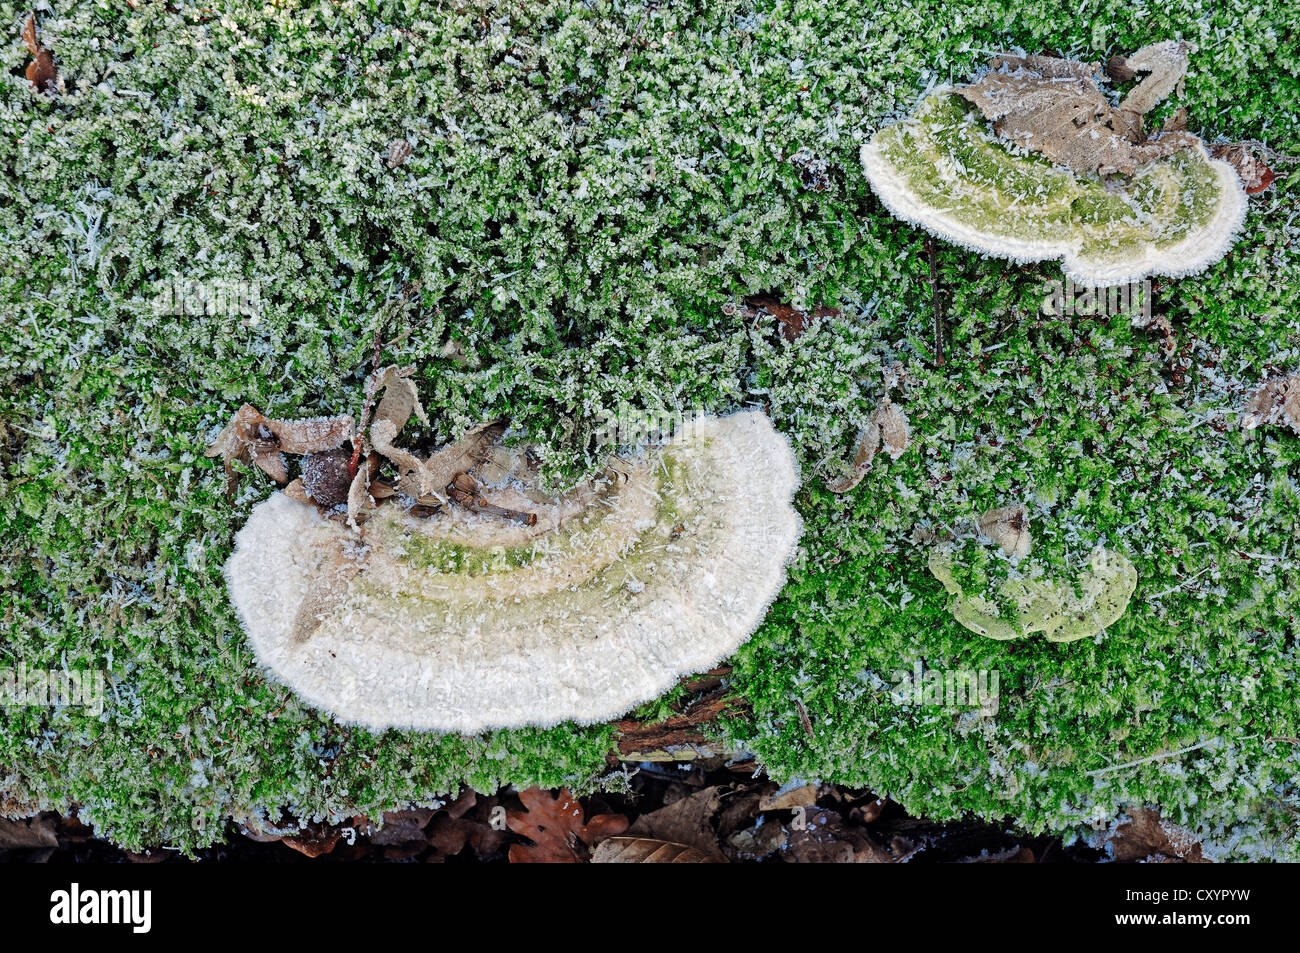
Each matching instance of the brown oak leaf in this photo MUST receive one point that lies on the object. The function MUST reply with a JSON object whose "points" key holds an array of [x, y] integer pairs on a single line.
{"points": [[555, 824]]}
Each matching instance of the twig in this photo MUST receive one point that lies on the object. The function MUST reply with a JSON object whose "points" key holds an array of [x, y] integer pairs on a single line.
{"points": [[465, 491], [355, 463], [935, 303], [1155, 757], [805, 721]]}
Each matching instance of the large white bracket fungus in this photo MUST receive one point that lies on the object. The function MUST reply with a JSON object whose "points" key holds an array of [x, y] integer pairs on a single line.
{"points": [[461, 622], [994, 190]]}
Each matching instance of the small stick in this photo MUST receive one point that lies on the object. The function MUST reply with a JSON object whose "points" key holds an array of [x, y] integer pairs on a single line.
{"points": [[934, 303], [355, 463], [464, 490], [805, 721]]}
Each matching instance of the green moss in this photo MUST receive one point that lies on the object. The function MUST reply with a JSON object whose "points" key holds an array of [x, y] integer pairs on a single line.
{"points": [[590, 184]]}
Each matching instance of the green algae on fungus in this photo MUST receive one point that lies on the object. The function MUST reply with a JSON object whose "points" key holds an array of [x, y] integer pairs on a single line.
{"points": [[659, 567], [1061, 611], [944, 170]]}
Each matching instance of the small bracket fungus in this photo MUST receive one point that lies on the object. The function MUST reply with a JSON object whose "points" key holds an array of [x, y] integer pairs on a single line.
{"points": [[464, 621], [1061, 611], [1061, 173]]}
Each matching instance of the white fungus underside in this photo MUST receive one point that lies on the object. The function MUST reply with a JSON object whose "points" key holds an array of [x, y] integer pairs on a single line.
{"points": [[1193, 254], [478, 656]]}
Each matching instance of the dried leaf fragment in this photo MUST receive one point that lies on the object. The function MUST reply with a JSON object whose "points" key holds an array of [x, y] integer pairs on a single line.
{"points": [[399, 150], [1008, 526], [791, 321], [41, 72], [888, 428], [401, 397], [1277, 402], [894, 431], [1255, 175], [459, 457], [252, 436], [646, 850], [1054, 107]]}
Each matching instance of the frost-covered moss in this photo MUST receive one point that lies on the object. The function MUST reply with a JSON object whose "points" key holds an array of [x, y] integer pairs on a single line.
{"points": [[589, 184]]}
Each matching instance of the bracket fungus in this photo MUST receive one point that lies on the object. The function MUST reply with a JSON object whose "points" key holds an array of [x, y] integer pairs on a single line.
{"points": [[1062, 611], [1032, 162], [464, 621]]}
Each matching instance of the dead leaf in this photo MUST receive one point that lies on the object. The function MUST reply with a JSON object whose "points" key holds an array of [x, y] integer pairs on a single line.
{"points": [[1255, 176], [1277, 402], [894, 431], [459, 457], [1053, 106], [887, 427], [1147, 837], [382, 433], [791, 321], [1165, 64], [399, 150], [688, 821], [401, 397], [645, 850], [251, 436], [1008, 526], [28, 833], [41, 71], [556, 828], [358, 491]]}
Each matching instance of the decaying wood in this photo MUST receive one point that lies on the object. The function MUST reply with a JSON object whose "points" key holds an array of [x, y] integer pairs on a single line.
{"points": [[679, 737]]}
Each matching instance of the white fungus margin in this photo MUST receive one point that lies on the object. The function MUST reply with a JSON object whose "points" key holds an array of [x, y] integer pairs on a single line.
{"points": [[622, 588]]}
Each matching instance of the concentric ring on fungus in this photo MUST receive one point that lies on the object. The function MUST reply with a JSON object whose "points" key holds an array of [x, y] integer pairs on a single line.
{"points": [[657, 569]]}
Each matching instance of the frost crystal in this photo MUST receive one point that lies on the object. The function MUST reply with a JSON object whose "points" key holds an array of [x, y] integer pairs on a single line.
{"points": [[658, 568]]}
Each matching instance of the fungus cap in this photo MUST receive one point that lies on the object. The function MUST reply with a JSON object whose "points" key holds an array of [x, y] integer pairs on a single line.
{"points": [[657, 569], [945, 171]]}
